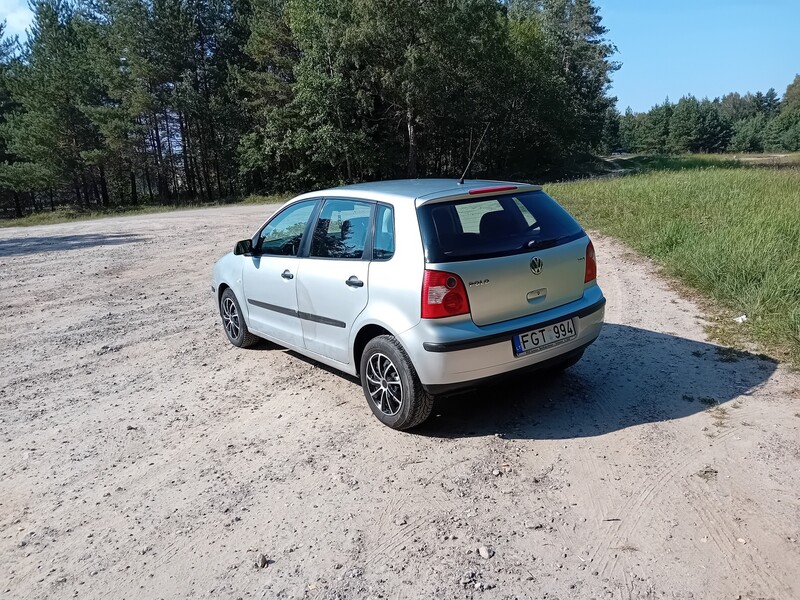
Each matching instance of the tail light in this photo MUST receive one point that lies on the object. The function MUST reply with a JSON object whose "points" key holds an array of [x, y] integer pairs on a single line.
{"points": [[443, 295], [591, 264]]}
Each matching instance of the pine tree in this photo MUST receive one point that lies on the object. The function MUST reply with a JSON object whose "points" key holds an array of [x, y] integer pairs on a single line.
{"points": [[52, 86], [715, 131], [791, 98], [684, 126], [749, 134], [579, 35], [629, 131], [772, 103], [654, 130], [10, 178], [264, 80]]}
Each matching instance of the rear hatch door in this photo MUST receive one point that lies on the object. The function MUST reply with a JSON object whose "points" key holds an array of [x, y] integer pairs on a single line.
{"points": [[517, 254]]}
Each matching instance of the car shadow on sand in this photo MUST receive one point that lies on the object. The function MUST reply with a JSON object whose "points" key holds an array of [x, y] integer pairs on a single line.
{"points": [[58, 243], [629, 376]]}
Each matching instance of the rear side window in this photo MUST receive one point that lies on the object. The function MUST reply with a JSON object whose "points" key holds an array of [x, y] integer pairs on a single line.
{"points": [[341, 230], [489, 227], [383, 244]]}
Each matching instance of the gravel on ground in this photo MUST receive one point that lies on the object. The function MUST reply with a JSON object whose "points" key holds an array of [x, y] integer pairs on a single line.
{"points": [[142, 456]]}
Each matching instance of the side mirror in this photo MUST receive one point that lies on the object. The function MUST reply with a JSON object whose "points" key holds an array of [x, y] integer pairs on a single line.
{"points": [[243, 247]]}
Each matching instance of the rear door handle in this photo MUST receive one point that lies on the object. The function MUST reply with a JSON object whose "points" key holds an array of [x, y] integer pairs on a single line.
{"points": [[287, 274], [354, 282]]}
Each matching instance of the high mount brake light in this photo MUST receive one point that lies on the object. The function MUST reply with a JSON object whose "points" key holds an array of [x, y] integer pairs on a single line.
{"points": [[443, 295], [497, 188], [591, 264]]}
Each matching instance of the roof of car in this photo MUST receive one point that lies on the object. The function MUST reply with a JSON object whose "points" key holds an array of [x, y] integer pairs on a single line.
{"points": [[422, 190]]}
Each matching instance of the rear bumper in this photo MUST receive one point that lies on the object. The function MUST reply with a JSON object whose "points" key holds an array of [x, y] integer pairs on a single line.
{"points": [[450, 388], [449, 354], [505, 336]]}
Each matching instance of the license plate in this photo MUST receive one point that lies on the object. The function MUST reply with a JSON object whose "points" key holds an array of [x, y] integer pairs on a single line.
{"points": [[543, 337]]}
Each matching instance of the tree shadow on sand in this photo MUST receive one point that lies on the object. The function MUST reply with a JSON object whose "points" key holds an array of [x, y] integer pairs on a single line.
{"points": [[34, 245], [628, 377]]}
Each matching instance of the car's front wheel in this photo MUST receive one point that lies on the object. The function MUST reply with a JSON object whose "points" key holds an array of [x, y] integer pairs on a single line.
{"points": [[233, 321], [391, 385]]}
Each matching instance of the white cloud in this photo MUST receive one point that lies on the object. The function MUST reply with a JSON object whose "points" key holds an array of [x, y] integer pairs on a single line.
{"points": [[17, 16]]}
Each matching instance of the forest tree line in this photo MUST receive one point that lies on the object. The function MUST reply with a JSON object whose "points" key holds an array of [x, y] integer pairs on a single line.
{"points": [[760, 122], [108, 103], [125, 102]]}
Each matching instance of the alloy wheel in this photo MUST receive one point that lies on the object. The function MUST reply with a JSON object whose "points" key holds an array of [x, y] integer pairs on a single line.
{"points": [[230, 318], [384, 385]]}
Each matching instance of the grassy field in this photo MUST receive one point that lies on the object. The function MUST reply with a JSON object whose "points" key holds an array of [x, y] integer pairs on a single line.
{"points": [[645, 163], [725, 227]]}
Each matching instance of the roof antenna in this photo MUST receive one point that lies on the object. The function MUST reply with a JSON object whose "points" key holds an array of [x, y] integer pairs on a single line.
{"points": [[461, 181]]}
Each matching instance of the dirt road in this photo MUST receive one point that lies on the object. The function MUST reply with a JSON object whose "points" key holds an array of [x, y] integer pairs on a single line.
{"points": [[145, 457]]}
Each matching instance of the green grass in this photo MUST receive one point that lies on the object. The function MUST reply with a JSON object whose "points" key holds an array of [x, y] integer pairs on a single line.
{"points": [[730, 231], [65, 215], [643, 163]]}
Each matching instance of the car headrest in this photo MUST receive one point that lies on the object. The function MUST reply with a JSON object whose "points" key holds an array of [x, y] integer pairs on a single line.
{"points": [[497, 223]]}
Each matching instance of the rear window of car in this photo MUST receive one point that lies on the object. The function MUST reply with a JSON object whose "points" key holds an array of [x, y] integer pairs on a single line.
{"points": [[498, 226]]}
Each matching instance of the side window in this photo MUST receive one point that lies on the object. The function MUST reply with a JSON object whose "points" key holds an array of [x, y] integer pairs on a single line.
{"points": [[383, 244], [341, 230], [284, 233]]}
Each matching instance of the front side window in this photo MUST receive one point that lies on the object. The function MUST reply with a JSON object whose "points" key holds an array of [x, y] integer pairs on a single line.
{"points": [[341, 230], [283, 234]]}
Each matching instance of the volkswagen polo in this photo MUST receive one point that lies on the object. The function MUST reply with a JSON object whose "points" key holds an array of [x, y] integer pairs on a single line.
{"points": [[418, 287]]}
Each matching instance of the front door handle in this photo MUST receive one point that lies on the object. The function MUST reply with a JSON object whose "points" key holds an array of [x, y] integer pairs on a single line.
{"points": [[354, 282], [287, 274]]}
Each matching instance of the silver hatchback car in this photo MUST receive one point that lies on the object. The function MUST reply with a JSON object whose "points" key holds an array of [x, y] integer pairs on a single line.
{"points": [[419, 287]]}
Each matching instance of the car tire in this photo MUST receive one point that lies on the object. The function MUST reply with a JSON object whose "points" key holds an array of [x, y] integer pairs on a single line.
{"points": [[391, 385], [567, 362], [233, 321]]}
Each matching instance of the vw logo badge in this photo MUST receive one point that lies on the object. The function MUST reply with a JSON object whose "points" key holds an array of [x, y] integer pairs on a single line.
{"points": [[536, 265]]}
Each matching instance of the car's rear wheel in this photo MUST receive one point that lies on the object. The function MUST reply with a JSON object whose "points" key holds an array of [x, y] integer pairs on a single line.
{"points": [[391, 385], [233, 321]]}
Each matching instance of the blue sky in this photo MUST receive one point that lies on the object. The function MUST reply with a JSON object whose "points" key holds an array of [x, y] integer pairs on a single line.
{"points": [[703, 47], [669, 48], [16, 15]]}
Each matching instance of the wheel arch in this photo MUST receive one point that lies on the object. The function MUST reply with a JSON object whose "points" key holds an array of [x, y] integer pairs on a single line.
{"points": [[220, 290], [364, 335], [242, 303]]}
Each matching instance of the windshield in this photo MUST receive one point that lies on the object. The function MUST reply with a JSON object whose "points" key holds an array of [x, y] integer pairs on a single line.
{"points": [[497, 226]]}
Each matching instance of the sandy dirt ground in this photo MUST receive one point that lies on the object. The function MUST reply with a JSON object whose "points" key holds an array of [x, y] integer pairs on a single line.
{"points": [[142, 456]]}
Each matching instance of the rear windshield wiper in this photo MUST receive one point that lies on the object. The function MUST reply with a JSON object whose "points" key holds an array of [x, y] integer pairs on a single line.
{"points": [[549, 243]]}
